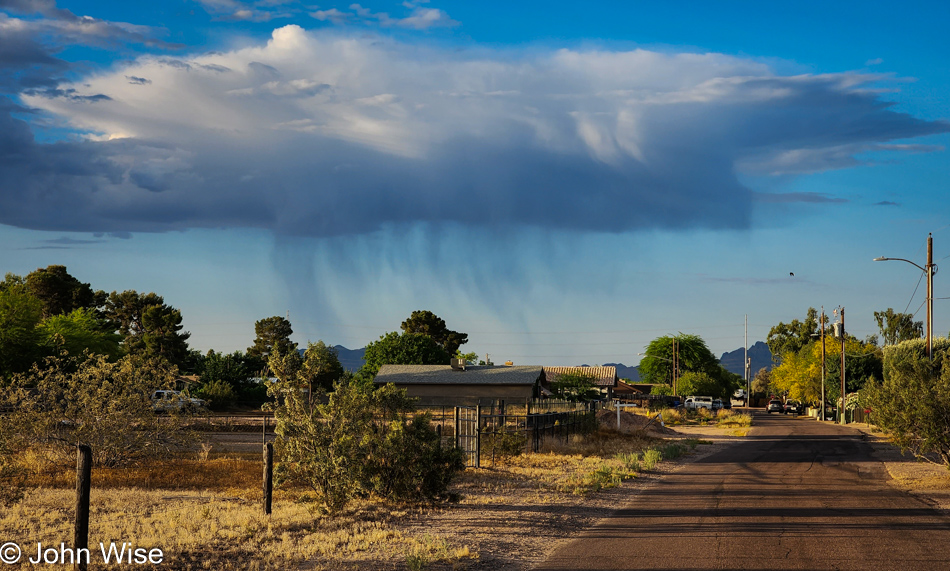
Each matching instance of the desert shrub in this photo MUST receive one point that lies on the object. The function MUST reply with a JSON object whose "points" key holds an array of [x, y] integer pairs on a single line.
{"points": [[88, 400], [912, 403], [502, 446], [361, 441], [219, 394], [651, 458]]}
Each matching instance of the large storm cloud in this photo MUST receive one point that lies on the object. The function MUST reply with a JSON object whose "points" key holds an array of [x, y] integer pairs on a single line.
{"points": [[325, 134]]}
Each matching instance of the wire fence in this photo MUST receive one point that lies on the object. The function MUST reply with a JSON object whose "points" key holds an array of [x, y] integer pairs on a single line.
{"points": [[491, 433]]}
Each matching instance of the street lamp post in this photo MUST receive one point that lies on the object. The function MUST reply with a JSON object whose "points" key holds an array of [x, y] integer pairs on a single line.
{"points": [[930, 269]]}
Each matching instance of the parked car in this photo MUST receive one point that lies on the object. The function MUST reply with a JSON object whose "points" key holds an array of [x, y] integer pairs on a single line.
{"points": [[717, 404], [727, 403], [775, 405], [168, 401], [794, 407], [697, 403]]}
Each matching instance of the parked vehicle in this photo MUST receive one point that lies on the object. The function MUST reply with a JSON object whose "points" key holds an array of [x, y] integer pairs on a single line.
{"points": [[168, 401], [775, 405], [696, 403], [717, 404], [794, 407], [727, 403]]}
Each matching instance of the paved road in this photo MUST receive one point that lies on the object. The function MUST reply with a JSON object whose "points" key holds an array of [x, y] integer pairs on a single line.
{"points": [[796, 494]]}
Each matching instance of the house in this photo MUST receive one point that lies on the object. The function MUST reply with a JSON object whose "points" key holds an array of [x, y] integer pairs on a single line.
{"points": [[605, 378], [445, 385]]}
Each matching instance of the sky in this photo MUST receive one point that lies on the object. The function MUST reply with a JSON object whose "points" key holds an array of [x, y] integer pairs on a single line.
{"points": [[564, 182]]}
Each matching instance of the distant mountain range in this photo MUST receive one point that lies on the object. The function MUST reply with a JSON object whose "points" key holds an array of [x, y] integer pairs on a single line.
{"points": [[352, 360]]}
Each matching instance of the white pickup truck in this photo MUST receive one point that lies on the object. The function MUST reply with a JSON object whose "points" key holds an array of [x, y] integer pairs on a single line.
{"points": [[696, 403]]}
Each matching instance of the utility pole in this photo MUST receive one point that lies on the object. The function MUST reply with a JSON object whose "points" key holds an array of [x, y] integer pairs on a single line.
{"points": [[822, 413], [745, 359], [675, 363], [930, 296], [843, 420]]}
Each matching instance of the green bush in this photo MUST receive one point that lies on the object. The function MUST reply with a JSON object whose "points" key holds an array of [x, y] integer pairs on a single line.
{"points": [[651, 458], [361, 442], [218, 394], [912, 403]]}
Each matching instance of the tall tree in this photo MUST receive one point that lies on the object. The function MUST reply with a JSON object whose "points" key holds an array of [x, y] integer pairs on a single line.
{"points": [[428, 323], [405, 349], [148, 325], [896, 327], [321, 366], [60, 292], [692, 354], [20, 338], [791, 337], [273, 333], [80, 330]]}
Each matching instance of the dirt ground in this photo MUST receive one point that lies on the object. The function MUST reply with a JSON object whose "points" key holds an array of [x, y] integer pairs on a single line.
{"points": [[521, 532]]}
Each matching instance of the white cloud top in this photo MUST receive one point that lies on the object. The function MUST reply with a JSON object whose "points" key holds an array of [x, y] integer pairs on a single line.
{"points": [[322, 133]]}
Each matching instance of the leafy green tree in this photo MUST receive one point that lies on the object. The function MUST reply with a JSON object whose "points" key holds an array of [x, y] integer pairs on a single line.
{"points": [[321, 366], [792, 337], [148, 325], [692, 354], [20, 337], [406, 349], [272, 334], [470, 358], [912, 403], [60, 292], [80, 330], [577, 387], [799, 374], [896, 327], [428, 323], [761, 382], [699, 383]]}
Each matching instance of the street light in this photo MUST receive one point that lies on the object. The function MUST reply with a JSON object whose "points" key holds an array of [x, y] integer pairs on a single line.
{"points": [[930, 269]]}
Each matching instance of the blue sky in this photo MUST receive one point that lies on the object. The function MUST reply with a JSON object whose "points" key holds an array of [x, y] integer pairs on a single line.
{"points": [[564, 182]]}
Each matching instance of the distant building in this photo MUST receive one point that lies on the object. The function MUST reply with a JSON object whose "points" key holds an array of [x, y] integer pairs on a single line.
{"points": [[604, 377], [443, 385]]}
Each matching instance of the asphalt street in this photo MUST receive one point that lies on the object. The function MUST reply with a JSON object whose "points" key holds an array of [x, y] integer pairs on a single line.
{"points": [[794, 494]]}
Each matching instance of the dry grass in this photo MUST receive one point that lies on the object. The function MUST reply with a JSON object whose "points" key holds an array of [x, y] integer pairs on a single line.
{"points": [[206, 514]]}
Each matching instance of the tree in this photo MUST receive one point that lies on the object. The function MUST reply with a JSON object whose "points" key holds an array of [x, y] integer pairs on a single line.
{"points": [[791, 337], [272, 333], [428, 323], [80, 330], [799, 374], [321, 366], [761, 382], [60, 292], [148, 325], [20, 338], [912, 402], [89, 400], [897, 327], [406, 349], [699, 383], [692, 354]]}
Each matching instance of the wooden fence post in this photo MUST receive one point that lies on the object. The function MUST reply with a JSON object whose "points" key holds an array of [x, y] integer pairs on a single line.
{"points": [[268, 476], [83, 481]]}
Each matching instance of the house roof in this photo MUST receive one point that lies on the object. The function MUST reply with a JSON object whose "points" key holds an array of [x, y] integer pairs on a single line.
{"points": [[446, 375], [604, 376]]}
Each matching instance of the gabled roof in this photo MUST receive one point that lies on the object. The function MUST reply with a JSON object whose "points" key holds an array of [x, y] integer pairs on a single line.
{"points": [[446, 375], [604, 376]]}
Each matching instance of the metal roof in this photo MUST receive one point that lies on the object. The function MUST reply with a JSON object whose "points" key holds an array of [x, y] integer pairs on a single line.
{"points": [[604, 376], [446, 375]]}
